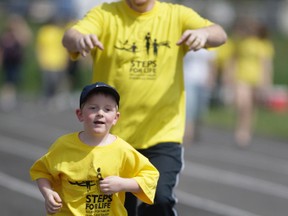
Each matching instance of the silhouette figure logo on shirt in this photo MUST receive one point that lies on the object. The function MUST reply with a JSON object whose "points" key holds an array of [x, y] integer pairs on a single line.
{"points": [[149, 43], [89, 183]]}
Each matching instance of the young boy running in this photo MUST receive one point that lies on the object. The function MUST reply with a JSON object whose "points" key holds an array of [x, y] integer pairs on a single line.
{"points": [[88, 172]]}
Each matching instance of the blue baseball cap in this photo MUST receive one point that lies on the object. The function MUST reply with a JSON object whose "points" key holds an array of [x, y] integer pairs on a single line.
{"points": [[99, 87]]}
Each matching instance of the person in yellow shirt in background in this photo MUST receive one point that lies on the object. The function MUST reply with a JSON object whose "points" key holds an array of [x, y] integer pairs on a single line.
{"points": [[52, 58], [221, 92], [252, 74], [88, 172], [15, 37]]}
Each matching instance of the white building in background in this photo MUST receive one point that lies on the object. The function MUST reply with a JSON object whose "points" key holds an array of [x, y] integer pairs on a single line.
{"points": [[85, 5], [282, 16]]}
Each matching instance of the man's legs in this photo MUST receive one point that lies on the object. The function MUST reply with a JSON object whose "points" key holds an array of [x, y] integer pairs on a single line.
{"points": [[168, 159], [131, 204]]}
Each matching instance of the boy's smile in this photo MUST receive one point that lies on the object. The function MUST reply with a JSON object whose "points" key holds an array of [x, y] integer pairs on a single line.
{"points": [[99, 122]]}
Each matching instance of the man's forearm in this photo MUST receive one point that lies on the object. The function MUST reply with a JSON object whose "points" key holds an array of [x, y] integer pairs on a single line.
{"points": [[216, 36], [70, 39]]}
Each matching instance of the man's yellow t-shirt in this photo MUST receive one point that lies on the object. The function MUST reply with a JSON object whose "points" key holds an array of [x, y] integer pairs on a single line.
{"points": [[141, 59], [74, 169]]}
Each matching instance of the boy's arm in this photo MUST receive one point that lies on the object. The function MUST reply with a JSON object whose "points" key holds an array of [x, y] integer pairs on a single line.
{"points": [[53, 202], [143, 185]]}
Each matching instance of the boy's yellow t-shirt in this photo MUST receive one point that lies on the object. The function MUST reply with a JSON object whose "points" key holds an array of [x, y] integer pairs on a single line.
{"points": [[141, 59], [74, 169]]}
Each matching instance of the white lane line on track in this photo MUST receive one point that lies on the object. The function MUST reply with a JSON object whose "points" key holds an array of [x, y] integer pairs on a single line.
{"points": [[20, 148], [32, 152], [246, 158], [19, 186], [211, 206], [27, 128], [30, 190], [207, 173]]}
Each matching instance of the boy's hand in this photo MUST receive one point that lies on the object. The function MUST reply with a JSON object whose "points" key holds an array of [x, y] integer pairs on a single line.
{"points": [[111, 184], [53, 202], [114, 184]]}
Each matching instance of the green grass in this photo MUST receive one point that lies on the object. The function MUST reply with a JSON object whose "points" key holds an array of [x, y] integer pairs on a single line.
{"points": [[280, 60], [266, 122]]}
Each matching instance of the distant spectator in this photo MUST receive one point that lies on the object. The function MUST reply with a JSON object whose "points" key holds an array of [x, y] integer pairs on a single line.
{"points": [[13, 41], [252, 73], [73, 66], [52, 59], [199, 69], [221, 94]]}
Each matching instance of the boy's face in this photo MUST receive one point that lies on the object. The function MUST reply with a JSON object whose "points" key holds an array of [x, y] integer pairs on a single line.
{"points": [[98, 114]]}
